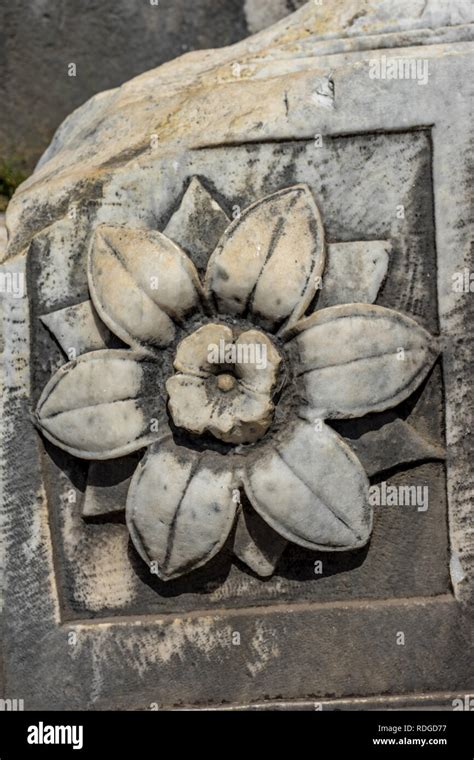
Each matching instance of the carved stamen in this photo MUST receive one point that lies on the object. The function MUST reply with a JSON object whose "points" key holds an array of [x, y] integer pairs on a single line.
{"points": [[226, 382]]}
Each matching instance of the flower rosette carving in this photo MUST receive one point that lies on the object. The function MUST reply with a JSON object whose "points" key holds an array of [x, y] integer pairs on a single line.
{"points": [[230, 381]]}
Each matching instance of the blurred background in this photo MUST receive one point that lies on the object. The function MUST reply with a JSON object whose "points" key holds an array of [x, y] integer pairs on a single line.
{"points": [[109, 41]]}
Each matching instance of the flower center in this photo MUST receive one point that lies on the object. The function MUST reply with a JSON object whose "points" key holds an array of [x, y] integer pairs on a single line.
{"points": [[226, 382]]}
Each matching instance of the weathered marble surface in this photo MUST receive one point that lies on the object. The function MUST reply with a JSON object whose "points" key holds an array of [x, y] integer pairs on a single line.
{"points": [[246, 123], [176, 103], [234, 360], [3, 231]]}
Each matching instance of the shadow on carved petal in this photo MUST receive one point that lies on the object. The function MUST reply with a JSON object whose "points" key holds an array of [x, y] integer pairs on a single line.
{"points": [[388, 443], [107, 486], [78, 329], [180, 509], [96, 407], [268, 260], [310, 487], [197, 224], [256, 544]]}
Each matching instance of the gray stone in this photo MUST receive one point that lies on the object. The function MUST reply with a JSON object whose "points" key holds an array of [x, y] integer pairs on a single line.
{"points": [[77, 329], [345, 361], [354, 272], [197, 224], [148, 598], [389, 443], [256, 544], [3, 235], [107, 487]]}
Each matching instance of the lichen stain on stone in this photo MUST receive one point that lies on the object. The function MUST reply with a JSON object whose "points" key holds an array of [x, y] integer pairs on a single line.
{"points": [[142, 647], [265, 646], [37, 546], [107, 581], [231, 588], [71, 529], [456, 569], [104, 579], [38, 530]]}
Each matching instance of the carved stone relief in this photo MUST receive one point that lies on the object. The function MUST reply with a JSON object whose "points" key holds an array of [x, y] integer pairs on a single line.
{"points": [[240, 379], [218, 362], [242, 359]]}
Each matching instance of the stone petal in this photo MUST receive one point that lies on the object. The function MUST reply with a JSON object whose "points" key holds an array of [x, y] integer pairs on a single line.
{"points": [[256, 544], [189, 402], [269, 259], [78, 329], [358, 358], [140, 282], [260, 371], [384, 446], [354, 272], [179, 509], [107, 486], [196, 404], [96, 407], [250, 413], [310, 487], [197, 224], [193, 352]]}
